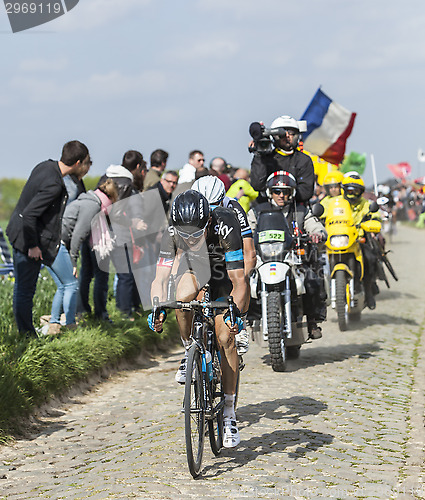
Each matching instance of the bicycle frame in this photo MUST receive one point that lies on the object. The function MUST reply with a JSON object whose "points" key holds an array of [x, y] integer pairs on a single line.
{"points": [[203, 382]]}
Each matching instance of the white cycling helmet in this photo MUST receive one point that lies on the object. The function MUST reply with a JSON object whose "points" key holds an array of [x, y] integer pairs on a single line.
{"points": [[211, 187], [286, 121]]}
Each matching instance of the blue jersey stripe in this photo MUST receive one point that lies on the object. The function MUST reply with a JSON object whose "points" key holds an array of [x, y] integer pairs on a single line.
{"points": [[234, 256]]}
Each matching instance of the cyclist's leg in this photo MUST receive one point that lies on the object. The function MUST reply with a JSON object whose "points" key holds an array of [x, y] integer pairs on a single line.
{"points": [[230, 366], [186, 290], [229, 360]]}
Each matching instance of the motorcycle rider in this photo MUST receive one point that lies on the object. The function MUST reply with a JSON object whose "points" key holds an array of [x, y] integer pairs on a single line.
{"points": [[332, 184], [208, 246], [215, 192], [281, 192], [284, 157], [353, 188]]}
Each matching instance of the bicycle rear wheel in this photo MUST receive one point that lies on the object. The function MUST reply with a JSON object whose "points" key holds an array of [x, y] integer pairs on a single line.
{"points": [[194, 411]]}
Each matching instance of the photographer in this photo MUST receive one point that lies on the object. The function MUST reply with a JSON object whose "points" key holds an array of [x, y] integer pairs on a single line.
{"points": [[276, 149]]}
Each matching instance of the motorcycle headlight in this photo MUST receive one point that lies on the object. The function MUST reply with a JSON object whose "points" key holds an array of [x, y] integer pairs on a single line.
{"points": [[339, 240], [271, 249]]}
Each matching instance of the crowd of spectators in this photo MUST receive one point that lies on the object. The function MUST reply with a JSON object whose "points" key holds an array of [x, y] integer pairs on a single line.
{"points": [[130, 205]]}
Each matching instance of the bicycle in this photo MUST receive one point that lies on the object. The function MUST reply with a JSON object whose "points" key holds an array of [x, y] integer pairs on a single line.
{"points": [[203, 394]]}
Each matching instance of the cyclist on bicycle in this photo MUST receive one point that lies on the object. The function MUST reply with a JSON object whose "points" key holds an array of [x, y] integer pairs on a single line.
{"points": [[208, 248], [214, 191]]}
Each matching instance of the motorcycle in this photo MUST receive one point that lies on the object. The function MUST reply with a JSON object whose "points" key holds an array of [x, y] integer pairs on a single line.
{"points": [[278, 285], [346, 259]]}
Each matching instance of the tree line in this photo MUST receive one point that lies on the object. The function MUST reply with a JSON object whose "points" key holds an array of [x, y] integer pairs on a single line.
{"points": [[10, 191]]}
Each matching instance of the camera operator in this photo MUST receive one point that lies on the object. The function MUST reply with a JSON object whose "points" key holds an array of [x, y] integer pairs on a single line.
{"points": [[276, 149]]}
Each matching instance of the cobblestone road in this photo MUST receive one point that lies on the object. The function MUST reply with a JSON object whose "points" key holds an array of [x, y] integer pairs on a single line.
{"points": [[345, 421]]}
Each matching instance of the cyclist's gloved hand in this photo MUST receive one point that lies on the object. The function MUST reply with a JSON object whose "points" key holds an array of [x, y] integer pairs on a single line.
{"points": [[151, 322], [238, 319]]}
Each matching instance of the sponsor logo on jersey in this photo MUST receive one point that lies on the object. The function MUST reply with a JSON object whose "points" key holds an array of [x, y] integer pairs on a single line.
{"points": [[223, 229]]}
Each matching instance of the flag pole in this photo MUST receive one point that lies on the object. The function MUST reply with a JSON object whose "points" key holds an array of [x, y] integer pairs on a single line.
{"points": [[372, 160]]}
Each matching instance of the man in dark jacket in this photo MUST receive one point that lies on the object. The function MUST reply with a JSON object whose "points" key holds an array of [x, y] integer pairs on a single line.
{"points": [[34, 228], [286, 157]]}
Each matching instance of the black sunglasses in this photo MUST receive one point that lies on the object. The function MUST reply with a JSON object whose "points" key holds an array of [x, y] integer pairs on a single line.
{"points": [[281, 191]]}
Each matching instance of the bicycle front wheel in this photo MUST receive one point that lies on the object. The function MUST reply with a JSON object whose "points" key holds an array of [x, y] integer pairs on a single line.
{"points": [[215, 424], [194, 411]]}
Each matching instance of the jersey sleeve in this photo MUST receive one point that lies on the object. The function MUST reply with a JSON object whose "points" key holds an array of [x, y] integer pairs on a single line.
{"points": [[168, 249], [242, 218], [230, 239]]}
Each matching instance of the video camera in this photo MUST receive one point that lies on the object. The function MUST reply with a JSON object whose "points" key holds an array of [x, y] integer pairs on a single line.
{"points": [[264, 137]]}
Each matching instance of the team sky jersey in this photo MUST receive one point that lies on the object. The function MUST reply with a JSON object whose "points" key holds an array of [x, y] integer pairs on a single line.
{"points": [[221, 251], [240, 215]]}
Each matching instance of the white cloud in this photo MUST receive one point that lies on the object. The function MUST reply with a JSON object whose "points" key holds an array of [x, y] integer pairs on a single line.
{"points": [[88, 14], [97, 87]]}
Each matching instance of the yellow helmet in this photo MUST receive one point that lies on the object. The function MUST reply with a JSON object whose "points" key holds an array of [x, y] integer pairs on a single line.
{"points": [[333, 180], [334, 177], [353, 187]]}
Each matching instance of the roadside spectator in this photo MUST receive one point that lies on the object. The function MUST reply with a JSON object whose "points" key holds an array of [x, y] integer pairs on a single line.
{"points": [[241, 190], [76, 227], [195, 163], [158, 163], [218, 166], [166, 187], [74, 185], [133, 169], [126, 219], [150, 240], [34, 229]]}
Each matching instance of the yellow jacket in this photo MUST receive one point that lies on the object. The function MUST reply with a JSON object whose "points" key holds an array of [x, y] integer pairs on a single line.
{"points": [[359, 210], [249, 193]]}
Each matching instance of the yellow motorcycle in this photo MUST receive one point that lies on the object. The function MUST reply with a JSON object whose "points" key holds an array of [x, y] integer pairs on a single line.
{"points": [[345, 257]]}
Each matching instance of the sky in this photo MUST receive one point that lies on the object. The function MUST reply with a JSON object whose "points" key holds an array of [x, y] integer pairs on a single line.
{"points": [[193, 74]]}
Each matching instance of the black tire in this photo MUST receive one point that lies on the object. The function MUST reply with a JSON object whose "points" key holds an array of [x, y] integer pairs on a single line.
{"points": [[194, 411], [277, 353], [341, 299], [293, 351], [215, 425]]}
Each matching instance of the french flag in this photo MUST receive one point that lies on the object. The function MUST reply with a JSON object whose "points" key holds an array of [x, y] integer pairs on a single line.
{"points": [[328, 127]]}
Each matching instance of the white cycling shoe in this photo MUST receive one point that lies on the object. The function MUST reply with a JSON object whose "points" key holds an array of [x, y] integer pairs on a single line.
{"points": [[181, 372], [231, 436], [242, 342]]}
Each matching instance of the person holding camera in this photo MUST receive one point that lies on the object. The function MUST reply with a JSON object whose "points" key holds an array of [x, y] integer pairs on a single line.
{"points": [[275, 149]]}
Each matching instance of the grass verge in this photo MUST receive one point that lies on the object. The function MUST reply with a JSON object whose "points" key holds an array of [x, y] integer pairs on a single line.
{"points": [[33, 371]]}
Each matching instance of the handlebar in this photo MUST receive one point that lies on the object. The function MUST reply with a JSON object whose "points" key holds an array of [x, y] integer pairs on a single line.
{"points": [[195, 304]]}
